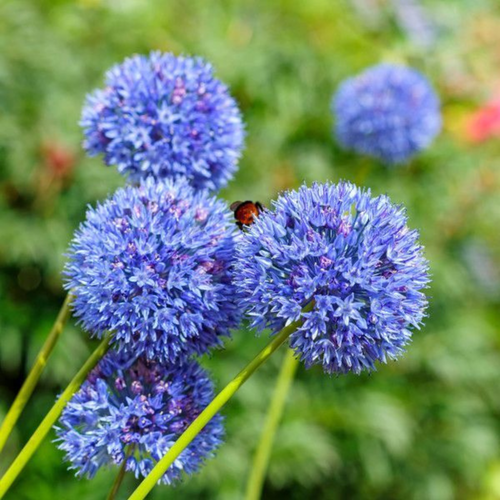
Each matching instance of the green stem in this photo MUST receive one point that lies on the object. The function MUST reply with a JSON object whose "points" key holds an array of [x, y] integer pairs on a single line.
{"points": [[206, 415], [29, 385], [263, 453], [32, 445], [119, 478]]}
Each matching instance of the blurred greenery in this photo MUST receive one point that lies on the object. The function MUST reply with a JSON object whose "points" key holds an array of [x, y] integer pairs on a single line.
{"points": [[426, 427]]}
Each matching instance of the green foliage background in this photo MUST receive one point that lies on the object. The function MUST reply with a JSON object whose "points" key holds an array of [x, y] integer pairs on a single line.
{"points": [[426, 427]]}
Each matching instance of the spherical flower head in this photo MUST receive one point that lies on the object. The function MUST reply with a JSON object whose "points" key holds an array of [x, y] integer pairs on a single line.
{"points": [[134, 410], [153, 265], [389, 112], [350, 255], [165, 116]]}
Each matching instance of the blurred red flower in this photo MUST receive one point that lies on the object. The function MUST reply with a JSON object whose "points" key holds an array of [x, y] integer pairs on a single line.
{"points": [[484, 123]]}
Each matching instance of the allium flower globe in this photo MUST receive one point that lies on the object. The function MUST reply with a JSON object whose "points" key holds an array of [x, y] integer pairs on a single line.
{"points": [[165, 116], [134, 410], [152, 265], [353, 256], [389, 112]]}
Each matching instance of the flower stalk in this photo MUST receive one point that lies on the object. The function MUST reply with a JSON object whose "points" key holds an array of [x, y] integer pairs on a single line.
{"points": [[36, 439], [217, 403], [121, 474], [264, 448], [36, 371]]}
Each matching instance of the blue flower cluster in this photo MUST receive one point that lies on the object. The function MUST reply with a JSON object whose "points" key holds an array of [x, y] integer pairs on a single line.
{"points": [[161, 266], [389, 112], [152, 266], [349, 253], [134, 410], [167, 117]]}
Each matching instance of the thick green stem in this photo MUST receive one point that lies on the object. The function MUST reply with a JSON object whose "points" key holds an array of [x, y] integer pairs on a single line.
{"points": [[29, 385], [263, 453], [51, 417], [206, 415]]}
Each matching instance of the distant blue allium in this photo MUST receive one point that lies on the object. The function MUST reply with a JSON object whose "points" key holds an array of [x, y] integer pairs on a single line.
{"points": [[354, 256], [389, 112], [165, 116], [152, 265], [135, 410], [414, 19]]}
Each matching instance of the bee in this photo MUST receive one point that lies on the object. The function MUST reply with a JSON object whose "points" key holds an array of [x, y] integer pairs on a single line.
{"points": [[245, 212]]}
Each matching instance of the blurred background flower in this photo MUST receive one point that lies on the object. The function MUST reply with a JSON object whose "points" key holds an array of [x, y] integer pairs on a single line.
{"points": [[414, 20], [484, 123], [426, 427], [388, 111]]}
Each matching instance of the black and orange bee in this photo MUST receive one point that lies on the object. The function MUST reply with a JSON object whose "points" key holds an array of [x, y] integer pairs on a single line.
{"points": [[245, 212]]}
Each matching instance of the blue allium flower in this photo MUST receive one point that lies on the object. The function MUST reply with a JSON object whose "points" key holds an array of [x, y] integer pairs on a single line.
{"points": [[414, 19], [389, 112], [152, 265], [349, 254], [165, 116], [135, 410]]}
